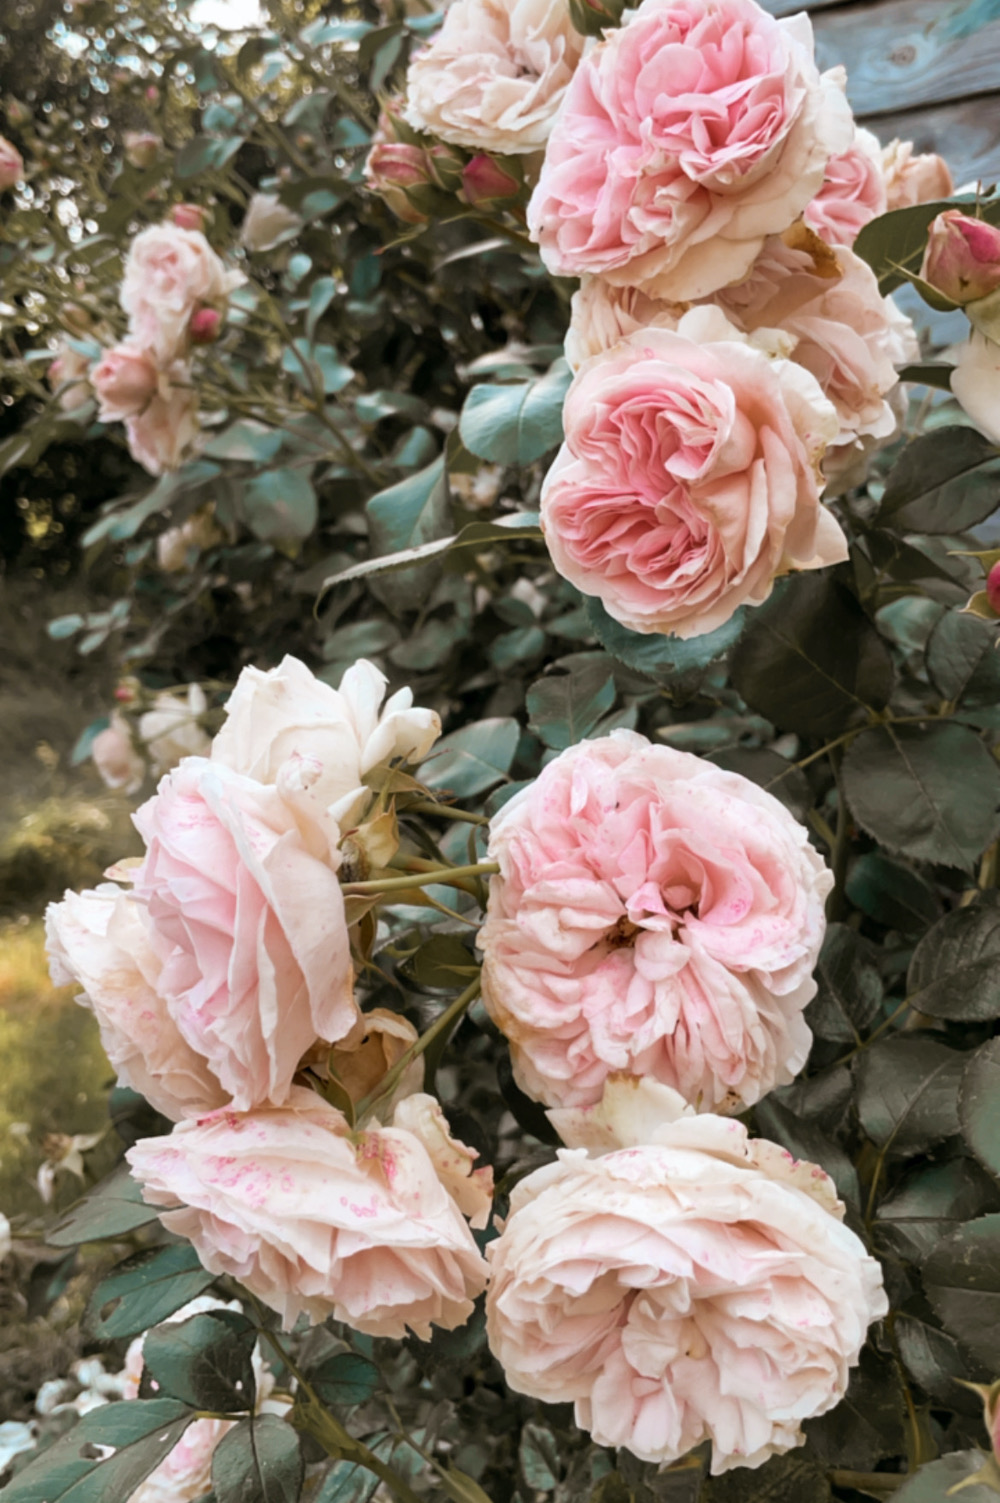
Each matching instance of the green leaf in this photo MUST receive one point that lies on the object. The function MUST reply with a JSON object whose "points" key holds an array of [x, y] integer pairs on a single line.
{"points": [[73, 1471], [662, 658], [258, 1461], [770, 771], [460, 1487], [929, 792], [474, 758], [280, 505], [810, 1142], [928, 373], [907, 1093], [204, 1361], [518, 423], [955, 970], [930, 1203], [565, 706], [538, 1457], [892, 894], [979, 1105], [795, 1478], [442, 963], [936, 1482], [935, 1361], [407, 515], [928, 464], [246, 439], [111, 1208], [321, 295], [962, 1281], [204, 152], [65, 626], [962, 659], [473, 535], [345, 1379], [144, 1290], [849, 995], [898, 239], [810, 659], [328, 371]]}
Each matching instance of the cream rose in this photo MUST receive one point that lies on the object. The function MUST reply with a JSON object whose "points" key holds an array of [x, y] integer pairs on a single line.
{"points": [[169, 272], [268, 222], [688, 1285], [656, 916], [171, 729], [160, 435], [495, 74], [689, 476], [312, 1217], [914, 179], [975, 381]]}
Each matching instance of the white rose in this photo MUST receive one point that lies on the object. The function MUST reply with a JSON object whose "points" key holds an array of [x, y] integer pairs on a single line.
{"points": [[267, 222], [170, 730], [975, 382]]}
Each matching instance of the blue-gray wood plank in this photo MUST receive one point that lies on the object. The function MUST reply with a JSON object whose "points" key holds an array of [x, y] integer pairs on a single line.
{"points": [[925, 70]]}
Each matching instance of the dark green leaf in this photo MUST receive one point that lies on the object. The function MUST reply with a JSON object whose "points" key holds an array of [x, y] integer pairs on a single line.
{"points": [[849, 995], [962, 658], [408, 515], [72, 1471], [810, 659], [897, 240], [473, 535], [565, 706], [245, 439], [930, 462], [538, 1457], [770, 771], [929, 792], [345, 1379], [936, 1482], [955, 970], [962, 1280], [954, 507], [474, 758], [867, 1424], [935, 1361], [795, 1478], [204, 1360], [280, 505], [930, 1202], [810, 1142], [907, 1093], [112, 1207], [258, 1461], [144, 1290], [442, 963], [518, 423], [661, 657], [892, 894], [929, 373], [979, 1105]]}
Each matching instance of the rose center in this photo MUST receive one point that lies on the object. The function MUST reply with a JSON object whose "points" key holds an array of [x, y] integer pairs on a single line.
{"points": [[622, 936]]}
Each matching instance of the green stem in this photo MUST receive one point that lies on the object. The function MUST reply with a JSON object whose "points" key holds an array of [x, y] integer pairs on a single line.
{"points": [[447, 1020], [444, 875], [444, 811]]}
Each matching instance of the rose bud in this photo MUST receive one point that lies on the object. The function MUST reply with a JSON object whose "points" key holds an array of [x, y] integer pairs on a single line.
{"points": [[11, 164], [993, 590], [962, 258], [188, 216], [446, 164], [141, 148], [485, 181], [398, 173], [591, 17], [205, 326], [125, 380]]}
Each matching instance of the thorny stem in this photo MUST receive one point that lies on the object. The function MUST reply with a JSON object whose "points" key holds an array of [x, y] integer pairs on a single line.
{"points": [[445, 875], [448, 1018]]}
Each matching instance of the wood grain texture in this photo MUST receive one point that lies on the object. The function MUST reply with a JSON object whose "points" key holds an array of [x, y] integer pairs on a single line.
{"points": [[967, 134]]}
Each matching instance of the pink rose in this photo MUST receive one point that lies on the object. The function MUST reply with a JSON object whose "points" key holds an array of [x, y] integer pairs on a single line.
{"points": [[69, 375], [115, 757], [11, 164], [688, 479], [160, 435], [313, 1217], [125, 380], [688, 1285], [656, 916], [686, 137], [188, 216], [100, 939], [962, 258], [495, 74], [485, 181], [993, 588], [168, 273], [853, 192], [178, 546], [171, 729], [249, 927], [910, 179]]}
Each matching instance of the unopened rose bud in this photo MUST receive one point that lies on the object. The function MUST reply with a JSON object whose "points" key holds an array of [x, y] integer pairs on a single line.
{"points": [[205, 326], [993, 596], [399, 174], [141, 148], [591, 17], [11, 164], [962, 258], [446, 164], [485, 181], [124, 694], [152, 93], [125, 380], [188, 216]]}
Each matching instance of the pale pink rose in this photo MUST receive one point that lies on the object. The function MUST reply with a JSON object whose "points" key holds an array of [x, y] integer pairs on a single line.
{"points": [[910, 179], [975, 381], [655, 916], [471, 1189], [100, 939], [171, 729], [160, 435], [286, 726], [853, 192], [248, 924], [188, 216], [116, 758], [126, 380], [178, 546], [689, 476], [720, 1298], [69, 374], [168, 273], [686, 137], [11, 164], [314, 1217], [268, 222], [495, 74], [602, 314]]}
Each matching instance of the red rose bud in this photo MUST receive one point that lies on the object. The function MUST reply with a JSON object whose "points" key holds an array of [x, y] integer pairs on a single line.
{"points": [[993, 587], [962, 258], [188, 216], [205, 326], [446, 165], [591, 17], [485, 181], [398, 173]]}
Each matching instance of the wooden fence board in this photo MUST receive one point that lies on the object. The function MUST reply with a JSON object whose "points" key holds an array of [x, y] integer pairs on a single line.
{"points": [[967, 134]]}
